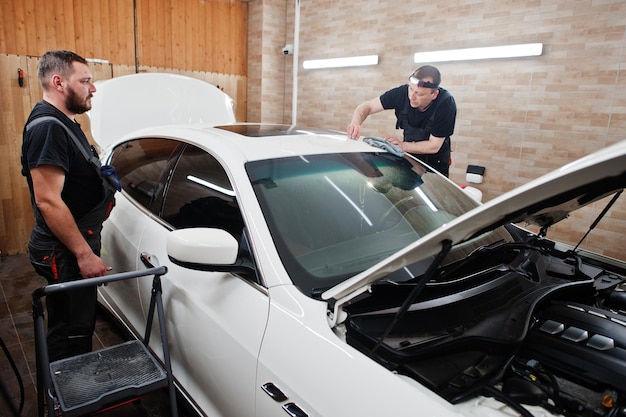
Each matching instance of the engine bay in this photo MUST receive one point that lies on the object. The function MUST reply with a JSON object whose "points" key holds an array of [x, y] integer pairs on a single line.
{"points": [[525, 323]]}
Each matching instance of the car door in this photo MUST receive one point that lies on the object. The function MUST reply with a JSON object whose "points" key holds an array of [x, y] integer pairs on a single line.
{"points": [[142, 166], [215, 320]]}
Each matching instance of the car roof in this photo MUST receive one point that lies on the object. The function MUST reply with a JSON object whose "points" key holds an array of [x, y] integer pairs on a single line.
{"points": [[253, 141], [185, 108]]}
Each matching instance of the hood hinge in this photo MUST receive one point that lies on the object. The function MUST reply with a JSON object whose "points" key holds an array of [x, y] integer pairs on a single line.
{"points": [[335, 314]]}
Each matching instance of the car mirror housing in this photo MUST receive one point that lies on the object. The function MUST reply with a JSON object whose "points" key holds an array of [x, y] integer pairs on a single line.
{"points": [[200, 247]]}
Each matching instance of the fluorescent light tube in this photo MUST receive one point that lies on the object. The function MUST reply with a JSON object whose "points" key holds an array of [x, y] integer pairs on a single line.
{"points": [[508, 51], [355, 61], [210, 185]]}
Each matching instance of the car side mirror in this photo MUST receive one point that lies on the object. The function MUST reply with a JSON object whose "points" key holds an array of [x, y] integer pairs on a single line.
{"points": [[201, 248]]}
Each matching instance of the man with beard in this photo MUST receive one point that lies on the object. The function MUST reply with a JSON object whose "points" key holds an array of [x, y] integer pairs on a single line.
{"points": [[70, 198]]}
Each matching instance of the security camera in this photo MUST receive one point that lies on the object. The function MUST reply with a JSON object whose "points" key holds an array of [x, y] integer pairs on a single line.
{"points": [[288, 49]]}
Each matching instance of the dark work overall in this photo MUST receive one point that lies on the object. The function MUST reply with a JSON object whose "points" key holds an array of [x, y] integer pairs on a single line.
{"points": [[71, 314], [439, 161]]}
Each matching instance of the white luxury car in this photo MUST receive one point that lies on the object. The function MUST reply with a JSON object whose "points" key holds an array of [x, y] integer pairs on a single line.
{"points": [[314, 275]]}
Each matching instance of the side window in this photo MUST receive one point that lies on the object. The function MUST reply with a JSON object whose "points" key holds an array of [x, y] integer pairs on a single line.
{"points": [[199, 194], [142, 168]]}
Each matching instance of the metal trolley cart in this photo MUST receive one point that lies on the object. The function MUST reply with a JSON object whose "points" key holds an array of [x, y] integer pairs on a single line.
{"points": [[101, 379]]}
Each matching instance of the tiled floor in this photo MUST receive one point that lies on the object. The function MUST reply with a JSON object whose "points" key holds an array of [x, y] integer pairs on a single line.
{"points": [[17, 282]]}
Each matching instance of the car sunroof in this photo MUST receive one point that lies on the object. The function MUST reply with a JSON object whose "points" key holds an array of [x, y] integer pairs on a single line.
{"points": [[260, 130]]}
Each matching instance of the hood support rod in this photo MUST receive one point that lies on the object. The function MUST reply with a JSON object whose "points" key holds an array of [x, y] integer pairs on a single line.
{"points": [[600, 216], [432, 268]]}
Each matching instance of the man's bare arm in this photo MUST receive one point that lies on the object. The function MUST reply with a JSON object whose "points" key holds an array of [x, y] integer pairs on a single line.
{"points": [[430, 146], [360, 114]]}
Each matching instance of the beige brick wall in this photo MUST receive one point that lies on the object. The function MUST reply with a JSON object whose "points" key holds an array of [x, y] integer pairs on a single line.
{"points": [[520, 118], [266, 67]]}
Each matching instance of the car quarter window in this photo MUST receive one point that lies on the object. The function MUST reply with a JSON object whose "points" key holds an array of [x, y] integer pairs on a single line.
{"points": [[142, 167], [200, 194]]}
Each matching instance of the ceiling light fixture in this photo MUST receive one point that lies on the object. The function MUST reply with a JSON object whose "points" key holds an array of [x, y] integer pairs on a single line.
{"points": [[355, 61], [507, 51]]}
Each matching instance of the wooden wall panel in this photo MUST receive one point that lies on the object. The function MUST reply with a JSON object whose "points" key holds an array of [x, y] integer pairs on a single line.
{"points": [[103, 29], [198, 35], [39, 37], [20, 30], [16, 218], [8, 24], [208, 36], [201, 39]]}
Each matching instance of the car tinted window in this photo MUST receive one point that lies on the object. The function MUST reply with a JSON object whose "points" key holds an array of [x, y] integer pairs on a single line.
{"points": [[200, 194], [333, 216], [142, 168]]}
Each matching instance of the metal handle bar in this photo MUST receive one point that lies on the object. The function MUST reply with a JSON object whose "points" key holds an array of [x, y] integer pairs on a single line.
{"points": [[64, 286]]}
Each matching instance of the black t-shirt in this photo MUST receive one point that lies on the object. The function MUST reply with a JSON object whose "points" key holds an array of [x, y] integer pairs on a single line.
{"points": [[443, 125], [48, 143]]}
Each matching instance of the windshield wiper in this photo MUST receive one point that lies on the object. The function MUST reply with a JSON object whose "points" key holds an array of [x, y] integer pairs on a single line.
{"points": [[446, 246]]}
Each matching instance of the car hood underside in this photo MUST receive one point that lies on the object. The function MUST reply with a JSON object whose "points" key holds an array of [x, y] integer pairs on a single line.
{"points": [[542, 202]]}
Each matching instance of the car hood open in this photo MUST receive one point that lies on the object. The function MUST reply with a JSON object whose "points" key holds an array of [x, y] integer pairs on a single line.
{"points": [[542, 202], [130, 102]]}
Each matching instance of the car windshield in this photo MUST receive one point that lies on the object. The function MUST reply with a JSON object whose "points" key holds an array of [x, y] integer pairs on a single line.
{"points": [[335, 215]]}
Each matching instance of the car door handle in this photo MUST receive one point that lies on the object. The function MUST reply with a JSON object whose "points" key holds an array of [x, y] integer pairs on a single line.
{"points": [[294, 411], [146, 259], [274, 392]]}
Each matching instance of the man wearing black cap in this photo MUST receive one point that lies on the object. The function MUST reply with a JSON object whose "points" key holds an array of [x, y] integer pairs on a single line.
{"points": [[424, 111]]}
